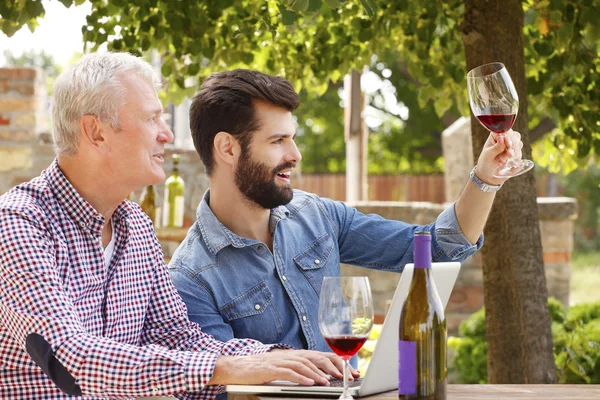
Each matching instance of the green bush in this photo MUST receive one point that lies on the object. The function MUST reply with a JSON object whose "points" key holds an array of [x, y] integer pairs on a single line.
{"points": [[576, 337]]}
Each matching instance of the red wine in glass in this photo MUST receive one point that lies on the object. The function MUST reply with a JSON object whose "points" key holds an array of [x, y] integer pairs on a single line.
{"points": [[345, 346], [345, 317], [497, 123], [495, 102]]}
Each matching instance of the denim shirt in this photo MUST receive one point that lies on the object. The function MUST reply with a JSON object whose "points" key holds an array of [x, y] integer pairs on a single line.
{"points": [[236, 287]]}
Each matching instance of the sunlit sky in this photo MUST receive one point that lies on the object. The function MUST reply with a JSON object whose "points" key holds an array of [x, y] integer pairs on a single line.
{"points": [[58, 33]]}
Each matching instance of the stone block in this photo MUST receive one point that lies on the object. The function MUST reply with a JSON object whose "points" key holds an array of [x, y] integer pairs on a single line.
{"points": [[458, 157], [466, 298], [18, 104], [557, 243], [453, 320], [21, 135], [25, 119], [557, 208], [18, 73], [17, 180], [551, 257], [25, 88], [15, 158], [470, 275], [556, 228], [4, 120]]}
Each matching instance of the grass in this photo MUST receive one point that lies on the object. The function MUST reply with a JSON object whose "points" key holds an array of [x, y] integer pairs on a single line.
{"points": [[585, 277]]}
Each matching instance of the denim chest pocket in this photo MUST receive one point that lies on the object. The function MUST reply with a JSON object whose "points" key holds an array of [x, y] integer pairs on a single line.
{"points": [[253, 315], [312, 260]]}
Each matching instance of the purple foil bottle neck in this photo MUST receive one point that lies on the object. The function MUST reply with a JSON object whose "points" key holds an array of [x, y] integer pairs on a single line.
{"points": [[422, 246]]}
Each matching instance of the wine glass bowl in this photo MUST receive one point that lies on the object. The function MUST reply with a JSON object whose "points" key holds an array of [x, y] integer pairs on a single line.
{"points": [[495, 103], [345, 317]]}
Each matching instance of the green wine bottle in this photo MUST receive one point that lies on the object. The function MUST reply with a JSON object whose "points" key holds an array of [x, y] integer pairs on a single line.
{"points": [[422, 369], [148, 204], [173, 206]]}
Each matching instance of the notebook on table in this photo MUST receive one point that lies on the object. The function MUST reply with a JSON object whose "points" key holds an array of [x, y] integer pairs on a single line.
{"points": [[382, 373]]}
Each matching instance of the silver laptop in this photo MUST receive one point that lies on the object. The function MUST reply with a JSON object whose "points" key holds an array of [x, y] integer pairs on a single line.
{"points": [[382, 373]]}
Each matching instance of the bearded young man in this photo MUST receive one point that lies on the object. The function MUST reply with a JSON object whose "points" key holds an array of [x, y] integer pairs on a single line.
{"points": [[252, 264]]}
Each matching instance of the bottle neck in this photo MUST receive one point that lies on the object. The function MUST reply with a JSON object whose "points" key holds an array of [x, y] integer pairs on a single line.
{"points": [[422, 252]]}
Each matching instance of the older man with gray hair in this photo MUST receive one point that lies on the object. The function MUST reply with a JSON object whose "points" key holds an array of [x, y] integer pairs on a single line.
{"points": [[87, 307]]}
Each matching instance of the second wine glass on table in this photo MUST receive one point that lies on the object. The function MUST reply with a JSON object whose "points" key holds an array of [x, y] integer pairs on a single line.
{"points": [[345, 317], [495, 103]]}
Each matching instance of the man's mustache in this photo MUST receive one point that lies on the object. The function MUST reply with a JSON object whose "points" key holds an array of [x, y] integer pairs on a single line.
{"points": [[283, 166]]}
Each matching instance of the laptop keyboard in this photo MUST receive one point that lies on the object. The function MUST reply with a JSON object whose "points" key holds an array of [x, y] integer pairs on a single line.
{"points": [[336, 382]]}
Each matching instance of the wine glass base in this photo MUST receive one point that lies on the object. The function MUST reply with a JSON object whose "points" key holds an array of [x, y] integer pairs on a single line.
{"points": [[514, 168], [346, 397]]}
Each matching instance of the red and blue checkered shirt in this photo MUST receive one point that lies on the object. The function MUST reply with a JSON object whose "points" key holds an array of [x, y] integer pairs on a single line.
{"points": [[121, 332]]}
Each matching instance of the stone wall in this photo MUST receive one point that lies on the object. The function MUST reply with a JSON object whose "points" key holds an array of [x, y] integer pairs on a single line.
{"points": [[556, 223], [23, 121]]}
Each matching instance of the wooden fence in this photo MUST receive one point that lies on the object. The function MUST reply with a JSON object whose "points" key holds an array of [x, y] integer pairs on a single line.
{"points": [[381, 187], [428, 188]]}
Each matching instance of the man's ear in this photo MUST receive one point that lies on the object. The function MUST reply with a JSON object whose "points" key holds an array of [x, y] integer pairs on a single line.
{"points": [[92, 131], [226, 148]]}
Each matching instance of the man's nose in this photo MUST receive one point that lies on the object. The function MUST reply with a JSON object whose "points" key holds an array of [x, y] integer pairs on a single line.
{"points": [[295, 154], [166, 135]]}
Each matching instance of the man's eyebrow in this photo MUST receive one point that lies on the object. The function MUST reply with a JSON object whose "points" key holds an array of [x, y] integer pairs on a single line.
{"points": [[281, 135]]}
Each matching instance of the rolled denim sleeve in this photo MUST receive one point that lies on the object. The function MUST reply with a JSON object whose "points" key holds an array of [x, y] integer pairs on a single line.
{"points": [[450, 239]]}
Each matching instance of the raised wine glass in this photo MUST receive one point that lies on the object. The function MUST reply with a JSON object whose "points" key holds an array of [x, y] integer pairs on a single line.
{"points": [[495, 103], [345, 317]]}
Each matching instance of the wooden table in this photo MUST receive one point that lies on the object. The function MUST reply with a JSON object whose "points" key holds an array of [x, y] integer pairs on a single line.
{"points": [[480, 392]]}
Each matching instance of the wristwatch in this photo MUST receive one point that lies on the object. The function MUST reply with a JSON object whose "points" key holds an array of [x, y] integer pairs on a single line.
{"points": [[484, 187]]}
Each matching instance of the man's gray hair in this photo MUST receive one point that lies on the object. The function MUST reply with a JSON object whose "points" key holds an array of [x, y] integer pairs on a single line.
{"points": [[93, 86]]}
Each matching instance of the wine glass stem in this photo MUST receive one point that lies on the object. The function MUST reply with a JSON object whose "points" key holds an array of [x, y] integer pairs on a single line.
{"points": [[346, 395]]}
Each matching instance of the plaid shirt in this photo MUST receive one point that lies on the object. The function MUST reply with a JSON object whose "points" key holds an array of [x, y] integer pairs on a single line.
{"points": [[122, 332]]}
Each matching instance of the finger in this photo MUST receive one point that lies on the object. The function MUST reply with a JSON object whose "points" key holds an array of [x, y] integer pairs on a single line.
{"points": [[516, 135], [334, 365], [293, 376], [355, 372], [491, 140], [307, 368], [498, 147], [518, 155]]}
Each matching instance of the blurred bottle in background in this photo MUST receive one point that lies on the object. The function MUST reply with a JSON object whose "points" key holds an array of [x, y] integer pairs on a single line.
{"points": [[148, 203], [173, 207]]}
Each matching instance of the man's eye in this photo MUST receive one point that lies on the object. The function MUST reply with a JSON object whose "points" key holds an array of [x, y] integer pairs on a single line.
{"points": [[278, 141]]}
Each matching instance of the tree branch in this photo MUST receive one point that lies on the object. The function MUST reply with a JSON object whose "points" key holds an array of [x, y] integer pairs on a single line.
{"points": [[545, 126]]}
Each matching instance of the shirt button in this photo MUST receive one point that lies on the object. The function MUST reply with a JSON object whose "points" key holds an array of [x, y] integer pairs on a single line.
{"points": [[257, 307], [317, 261], [259, 248], [284, 277], [155, 390], [304, 318]]}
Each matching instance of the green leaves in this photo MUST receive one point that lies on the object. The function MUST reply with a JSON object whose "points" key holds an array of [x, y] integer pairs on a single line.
{"points": [[300, 5], [370, 7], [313, 41], [288, 17], [576, 345]]}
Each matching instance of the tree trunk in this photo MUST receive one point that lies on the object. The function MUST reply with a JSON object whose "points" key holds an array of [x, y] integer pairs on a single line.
{"points": [[515, 293]]}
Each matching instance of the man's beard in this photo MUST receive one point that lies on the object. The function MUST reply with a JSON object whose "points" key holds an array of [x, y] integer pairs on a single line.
{"points": [[257, 183]]}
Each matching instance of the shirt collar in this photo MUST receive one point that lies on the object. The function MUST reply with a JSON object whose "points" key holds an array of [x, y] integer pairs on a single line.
{"points": [[76, 206], [217, 236]]}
